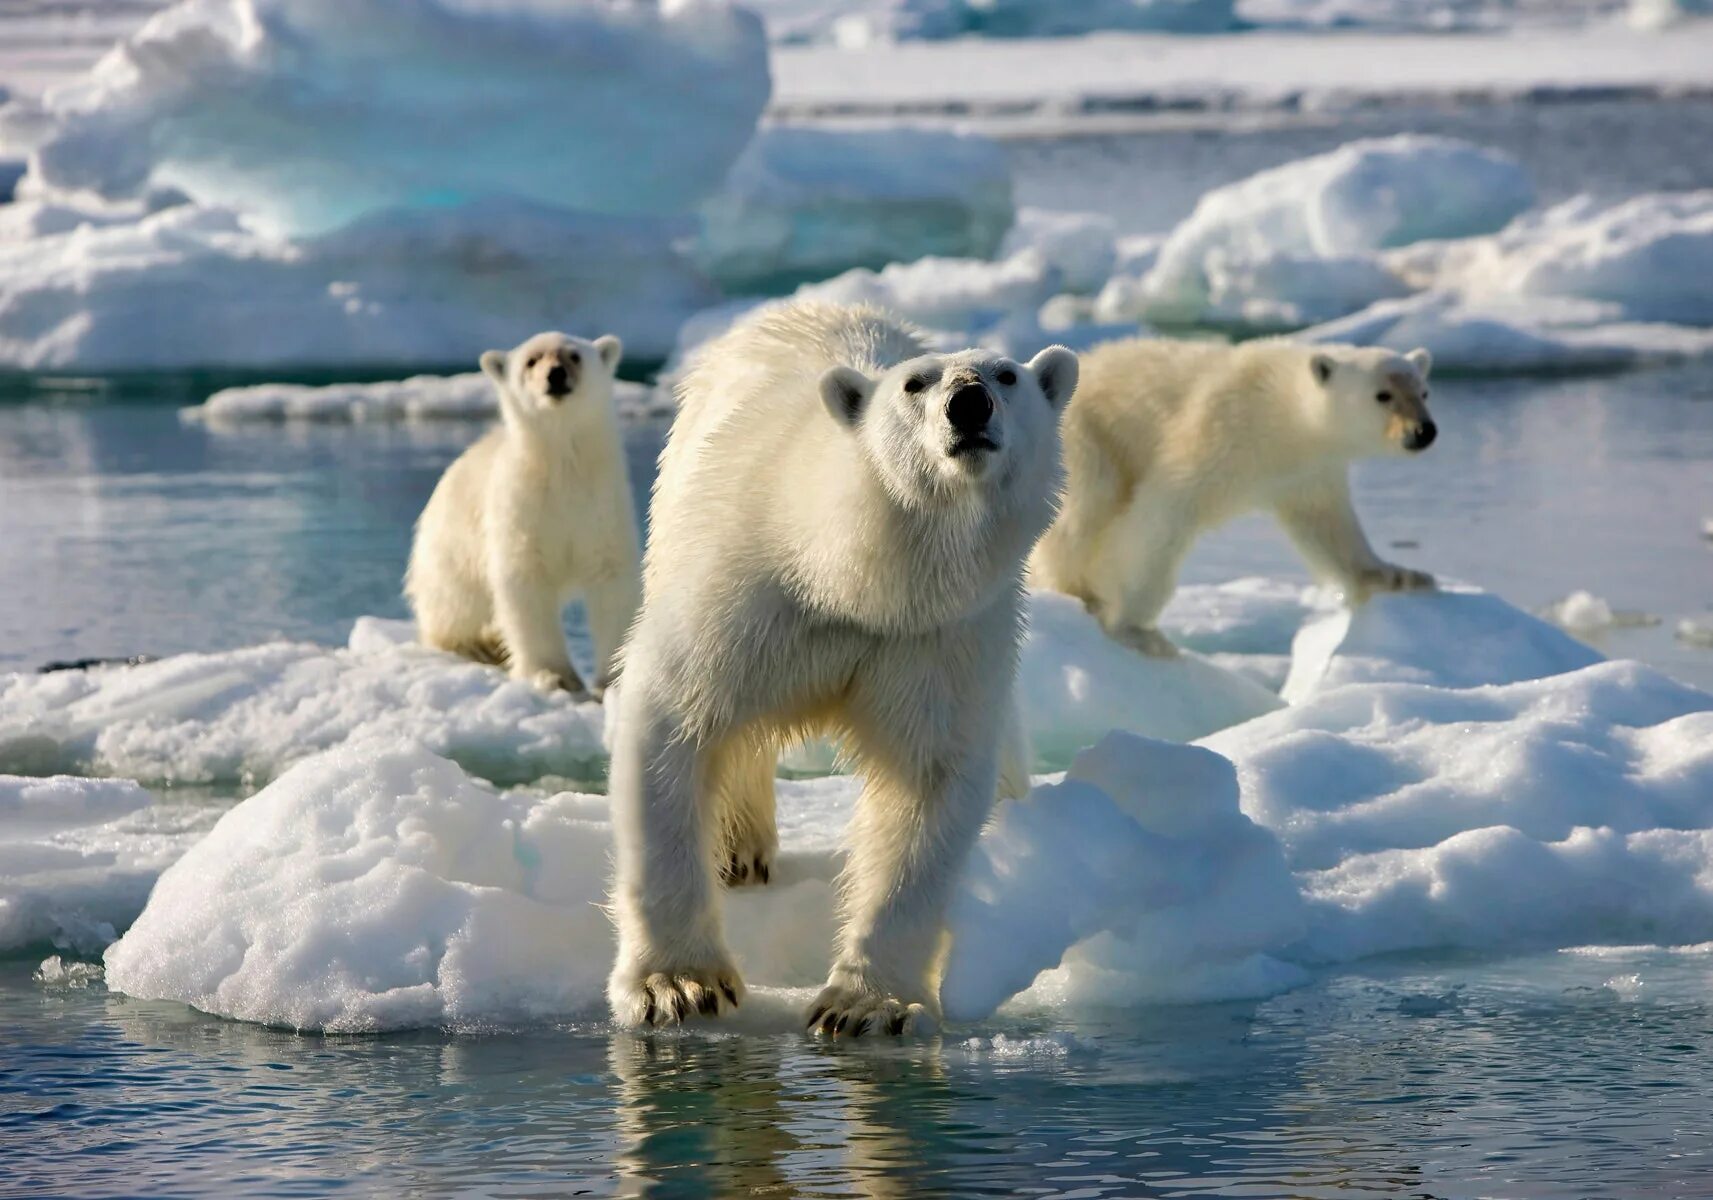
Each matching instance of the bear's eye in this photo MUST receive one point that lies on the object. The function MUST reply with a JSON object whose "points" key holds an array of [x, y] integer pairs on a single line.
{"points": [[575, 358], [533, 359], [1384, 397], [1006, 377], [915, 384]]}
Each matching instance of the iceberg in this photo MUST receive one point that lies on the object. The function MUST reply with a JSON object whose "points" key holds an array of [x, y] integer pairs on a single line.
{"points": [[802, 204], [1299, 244], [309, 114]]}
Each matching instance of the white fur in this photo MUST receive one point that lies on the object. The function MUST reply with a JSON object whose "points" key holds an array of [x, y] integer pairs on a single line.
{"points": [[535, 512], [819, 562], [1167, 439]]}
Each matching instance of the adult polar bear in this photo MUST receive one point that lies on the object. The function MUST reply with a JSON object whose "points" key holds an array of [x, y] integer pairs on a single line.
{"points": [[838, 536], [1168, 439]]}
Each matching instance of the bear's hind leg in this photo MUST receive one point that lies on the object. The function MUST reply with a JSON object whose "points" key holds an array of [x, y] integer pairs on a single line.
{"points": [[1135, 575], [741, 783]]}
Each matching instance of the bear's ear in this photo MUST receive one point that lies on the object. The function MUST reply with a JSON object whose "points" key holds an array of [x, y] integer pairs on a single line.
{"points": [[1421, 360], [845, 392], [1056, 370], [494, 365], [610, 349], [1322, 365]]}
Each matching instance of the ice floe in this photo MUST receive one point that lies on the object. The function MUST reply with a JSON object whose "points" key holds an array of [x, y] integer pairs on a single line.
{"points": [[802, 204], [421, 397]]}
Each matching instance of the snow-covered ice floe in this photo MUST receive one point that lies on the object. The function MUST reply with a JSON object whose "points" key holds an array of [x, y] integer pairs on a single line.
{"points": [[266, 182], [421, 397], [78, 857], [379, 886], [245, 715]]}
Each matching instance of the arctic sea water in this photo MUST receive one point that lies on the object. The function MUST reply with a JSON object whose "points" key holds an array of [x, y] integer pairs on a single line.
{"points": [[1570, 1074]]}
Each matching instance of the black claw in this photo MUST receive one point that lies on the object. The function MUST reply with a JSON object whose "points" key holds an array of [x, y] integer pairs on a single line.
{"points": [[861, 1028], [679, 1005], [709, 1004], [731, 994], [844, 1019], [828, 1022], [896, 1025], [648, 1017], [762, 872], [815, 1017]]}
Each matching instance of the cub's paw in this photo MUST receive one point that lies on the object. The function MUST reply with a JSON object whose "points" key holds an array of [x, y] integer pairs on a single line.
{"points": [[747, 867], [1389, 577], [657, 998], [841, 1011], [1150, 642], [550, 680]]}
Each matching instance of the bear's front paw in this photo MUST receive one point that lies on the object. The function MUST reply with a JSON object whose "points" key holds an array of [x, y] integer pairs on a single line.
{"points": [[746, 868], [1149, 642], [671, 997], [1389, 577], [843, 1011]]}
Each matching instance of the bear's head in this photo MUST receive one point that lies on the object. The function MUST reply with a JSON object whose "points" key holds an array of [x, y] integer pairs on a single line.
{"points": [[553, 376], [965, 424], [1378, 397]]}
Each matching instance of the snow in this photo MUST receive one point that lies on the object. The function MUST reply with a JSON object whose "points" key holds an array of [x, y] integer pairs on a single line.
{"points": [[245, 715], [421, 397], [1550, 812], [804, 203], [1404, 638], [1646, 258], [78, 856], [1296, 244], [309, 114]]}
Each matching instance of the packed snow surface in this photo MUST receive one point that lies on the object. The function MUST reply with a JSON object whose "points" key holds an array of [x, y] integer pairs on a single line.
{"points": [[1409, 806], [308, 114], [805, 203]]}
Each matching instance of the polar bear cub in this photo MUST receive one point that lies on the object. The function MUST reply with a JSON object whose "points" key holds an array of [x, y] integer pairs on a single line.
{"points": [[1168, 439], [838, 537], [535, 512]]}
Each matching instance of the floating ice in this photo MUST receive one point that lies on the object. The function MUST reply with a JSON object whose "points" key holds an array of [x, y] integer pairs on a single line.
{"points": [[78, 856], [1447, 638], [1499, 335], [308, 114], [1296, 244], [1588, 616], [1646, 258], [1551, 812], [803, 204], [871, 22], [191, 286], [421, 397], [244, 715]]}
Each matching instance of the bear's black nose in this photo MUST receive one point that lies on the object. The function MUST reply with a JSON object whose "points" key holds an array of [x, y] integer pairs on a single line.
{"points": [[556, 379], [970, 408], [1422, 436]]}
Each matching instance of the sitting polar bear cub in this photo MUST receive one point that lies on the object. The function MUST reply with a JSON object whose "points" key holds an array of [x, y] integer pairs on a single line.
{"points": [[538, 510], [839, 531], [1168, 439]]}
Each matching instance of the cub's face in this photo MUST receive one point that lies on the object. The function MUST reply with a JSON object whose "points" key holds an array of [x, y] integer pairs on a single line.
{"points": [[1380, 398], [553, 373], [958, 424]]}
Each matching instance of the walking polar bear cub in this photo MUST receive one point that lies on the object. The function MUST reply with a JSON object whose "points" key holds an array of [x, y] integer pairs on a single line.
{"points": [[839, 530], [1168, 439], [536, 511]]}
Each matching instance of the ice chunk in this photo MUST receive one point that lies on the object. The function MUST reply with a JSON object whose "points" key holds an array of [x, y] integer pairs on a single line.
{"points": [[247, 714], [1646, 258], [1588, 616], [421, 397], [1296, 244], [308, 114], [1696, 631], [78, 856], [1448, 638], [1548, 812], [804, 203], [1142, 861], [1074, 683], [190, 286], [1082, 246], [1499, 335], [955, 296]]}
